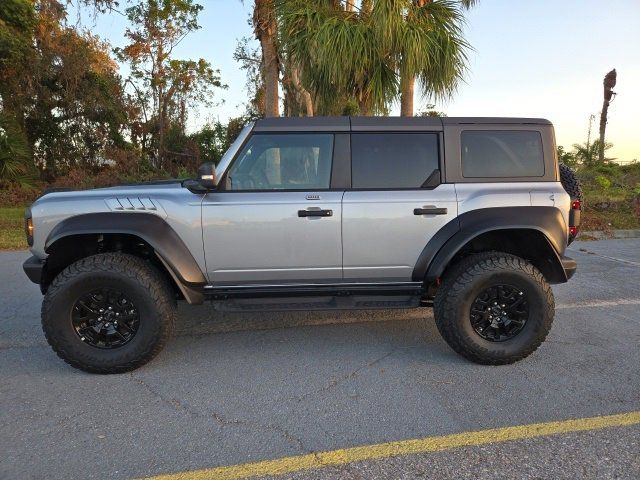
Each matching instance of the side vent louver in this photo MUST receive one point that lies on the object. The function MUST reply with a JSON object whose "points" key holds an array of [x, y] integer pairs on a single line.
{"points": [[131, 203]]}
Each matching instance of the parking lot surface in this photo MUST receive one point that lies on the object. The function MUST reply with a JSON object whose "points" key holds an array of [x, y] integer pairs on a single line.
{"points": [[237, 388]]}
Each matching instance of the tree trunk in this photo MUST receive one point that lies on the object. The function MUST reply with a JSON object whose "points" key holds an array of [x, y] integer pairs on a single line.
{"points": [[264, 22], [162, 107], [609, 82], [407, 84], [408, 81], [304, 94], [363, 104]]}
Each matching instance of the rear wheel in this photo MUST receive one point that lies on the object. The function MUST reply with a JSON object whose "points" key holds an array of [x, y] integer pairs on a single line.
{"points": [[108, 313], [494, 308]]}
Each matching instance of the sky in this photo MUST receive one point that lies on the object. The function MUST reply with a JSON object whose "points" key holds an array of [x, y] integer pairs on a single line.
{"points": [[543, 58]]}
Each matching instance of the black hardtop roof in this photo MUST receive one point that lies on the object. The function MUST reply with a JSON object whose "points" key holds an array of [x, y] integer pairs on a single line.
{"points": [[383, 123]]}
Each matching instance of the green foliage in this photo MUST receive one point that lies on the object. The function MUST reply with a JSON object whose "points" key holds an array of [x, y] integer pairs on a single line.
{"points": [[214, 140], [587, 154], [165, 88], [15, 154], [64, 93], [603, 182], [568, 158], [612, 196], [431, 112], [250, 61], [365, 55], [17, 20], [351, 108]]}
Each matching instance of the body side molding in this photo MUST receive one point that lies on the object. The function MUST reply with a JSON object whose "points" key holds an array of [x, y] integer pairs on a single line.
{"points": [[151, 228]]}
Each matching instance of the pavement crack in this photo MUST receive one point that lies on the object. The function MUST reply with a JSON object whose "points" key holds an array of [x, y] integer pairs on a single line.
{"points": [[347, 376], [220, 419]]}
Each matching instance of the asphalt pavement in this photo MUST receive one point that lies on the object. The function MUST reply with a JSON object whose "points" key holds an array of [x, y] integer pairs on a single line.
{"points": [[238, 388]]}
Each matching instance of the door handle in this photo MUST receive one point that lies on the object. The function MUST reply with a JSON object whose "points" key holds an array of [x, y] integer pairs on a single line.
{"points": [[429, 210], [315, 213]]}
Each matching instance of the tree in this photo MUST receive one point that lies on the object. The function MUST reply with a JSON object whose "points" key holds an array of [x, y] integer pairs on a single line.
{"points": [[568, 158], [213, 140], [337, 55], [430, 47], [608, 83], [15, 154], [250, 60], [588, 154], [265, 28], [62, 91], [168, 84], [374, 54]]}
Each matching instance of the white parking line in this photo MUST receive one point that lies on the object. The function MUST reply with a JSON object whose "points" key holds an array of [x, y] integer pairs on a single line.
{"points": [[619, 260], [600, 303]]}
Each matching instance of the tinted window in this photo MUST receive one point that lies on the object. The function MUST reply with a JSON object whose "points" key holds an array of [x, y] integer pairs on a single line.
{"points": [[502, 154], [392, 160], [283, 162]]}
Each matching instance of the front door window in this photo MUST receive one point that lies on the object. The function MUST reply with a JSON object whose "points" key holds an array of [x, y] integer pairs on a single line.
{"points": [[283, 162]]}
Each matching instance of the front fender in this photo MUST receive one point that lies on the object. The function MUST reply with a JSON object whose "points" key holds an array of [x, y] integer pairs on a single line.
{"points": [[150, 228]]}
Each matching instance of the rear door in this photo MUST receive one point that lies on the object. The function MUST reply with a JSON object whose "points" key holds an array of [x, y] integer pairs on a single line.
{"points": [[396, 204]]}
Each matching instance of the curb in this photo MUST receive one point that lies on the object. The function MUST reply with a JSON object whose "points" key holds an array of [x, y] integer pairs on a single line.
{"points": [[609, 234]]}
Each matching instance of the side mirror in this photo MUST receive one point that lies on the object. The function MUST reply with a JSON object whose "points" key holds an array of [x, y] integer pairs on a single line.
{"points": [[207, 176]]}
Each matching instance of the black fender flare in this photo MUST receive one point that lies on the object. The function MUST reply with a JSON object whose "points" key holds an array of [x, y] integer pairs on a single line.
{"points": [[451, 238], [149, 227]]}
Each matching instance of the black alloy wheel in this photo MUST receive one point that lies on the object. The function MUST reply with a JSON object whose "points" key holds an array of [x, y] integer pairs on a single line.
{"points": [[105, 318], [499, 312]]}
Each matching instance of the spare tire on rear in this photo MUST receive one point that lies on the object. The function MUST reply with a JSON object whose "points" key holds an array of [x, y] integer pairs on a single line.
{"points": [[570, 182], [572, 186]]}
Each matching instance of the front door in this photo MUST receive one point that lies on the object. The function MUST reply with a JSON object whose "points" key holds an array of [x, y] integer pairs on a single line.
{"points": [[273, 219]]}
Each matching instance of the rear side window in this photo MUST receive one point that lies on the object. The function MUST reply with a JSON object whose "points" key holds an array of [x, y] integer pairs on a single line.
{"points": [[501, 154], [392, 160]]}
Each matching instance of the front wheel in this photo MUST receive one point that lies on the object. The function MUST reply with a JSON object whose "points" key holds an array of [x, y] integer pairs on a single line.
{"points": [[494, 308], [108, 313]]}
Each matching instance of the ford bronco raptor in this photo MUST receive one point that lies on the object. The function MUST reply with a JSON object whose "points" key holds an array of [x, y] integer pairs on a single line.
{"points": [[468, 215]]}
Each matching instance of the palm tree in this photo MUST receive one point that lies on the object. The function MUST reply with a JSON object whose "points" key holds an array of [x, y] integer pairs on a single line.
{"points": [[335, 53], [15, 155], [265, 28], [588, 153], [430, 47], [374, 54]]}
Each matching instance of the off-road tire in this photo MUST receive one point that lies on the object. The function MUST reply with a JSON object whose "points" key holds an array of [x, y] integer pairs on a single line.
{"points": [[461, 285], [570, 182], [148, 289]]}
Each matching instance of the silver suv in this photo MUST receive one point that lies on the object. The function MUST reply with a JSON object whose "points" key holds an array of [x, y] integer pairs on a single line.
{"points": [[467, 215]]}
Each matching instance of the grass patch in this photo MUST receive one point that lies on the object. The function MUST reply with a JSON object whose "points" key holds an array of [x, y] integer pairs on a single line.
{"points": [[12, 229], [621, 219]]}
